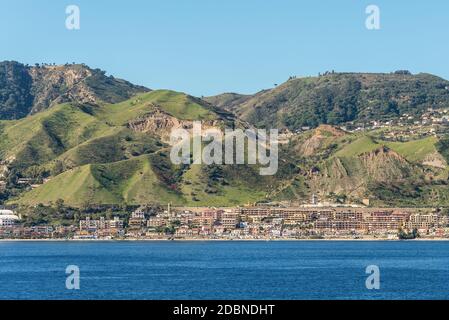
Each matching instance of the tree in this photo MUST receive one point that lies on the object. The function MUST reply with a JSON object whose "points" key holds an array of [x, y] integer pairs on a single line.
{"points": [[58, 168], [13, 178], [60, 205], [109, 214]]}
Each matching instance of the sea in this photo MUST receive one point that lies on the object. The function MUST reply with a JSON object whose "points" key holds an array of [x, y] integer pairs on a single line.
{"points": [[224, 270]]}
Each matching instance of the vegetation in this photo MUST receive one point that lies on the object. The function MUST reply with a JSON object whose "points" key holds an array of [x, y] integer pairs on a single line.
{"points": [[90, 154], [403, 235], [26, 90], [60, 214], [335, 98], [15, 90]]}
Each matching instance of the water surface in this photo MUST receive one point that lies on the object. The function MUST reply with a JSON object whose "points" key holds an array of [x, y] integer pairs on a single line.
{"points": [[225, 270]]}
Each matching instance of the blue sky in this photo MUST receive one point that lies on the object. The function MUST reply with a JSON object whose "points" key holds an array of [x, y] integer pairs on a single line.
{"points": [[206, 47]]}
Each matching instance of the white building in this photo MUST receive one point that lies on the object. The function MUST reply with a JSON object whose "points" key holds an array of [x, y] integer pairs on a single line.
{"points": [[7, 218]]}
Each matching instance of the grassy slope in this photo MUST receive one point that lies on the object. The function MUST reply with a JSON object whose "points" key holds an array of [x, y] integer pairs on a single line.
{"points": [[236, 193], [176, 104], [357, 147], [75, 187], [42, 137], [111, 163], [121, 144], [46, 135], [383, 177], [131, 181], [415, 150]]}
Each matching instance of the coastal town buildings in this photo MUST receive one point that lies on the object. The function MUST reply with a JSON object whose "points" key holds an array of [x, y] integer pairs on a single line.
{"points": [[101, 228], [295, 223], [262, 222], [8, 218]]}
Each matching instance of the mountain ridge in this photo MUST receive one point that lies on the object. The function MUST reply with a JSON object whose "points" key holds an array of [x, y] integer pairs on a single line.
{"points": [[338, 98], [26, 90], [82, 149]]}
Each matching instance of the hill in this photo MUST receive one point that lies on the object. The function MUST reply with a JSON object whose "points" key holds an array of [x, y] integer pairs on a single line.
{"points": [[27, 89], [336, 98], [47, 135], [131, 181], [131, 167], [342, 166], [118, 153], [92, 152]]}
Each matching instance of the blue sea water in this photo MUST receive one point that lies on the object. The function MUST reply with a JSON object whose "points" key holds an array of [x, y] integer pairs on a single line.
{"points": [[225, 270]]}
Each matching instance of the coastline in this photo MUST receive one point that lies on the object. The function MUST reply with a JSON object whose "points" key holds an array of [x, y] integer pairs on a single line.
{"points": [[225, 240]]}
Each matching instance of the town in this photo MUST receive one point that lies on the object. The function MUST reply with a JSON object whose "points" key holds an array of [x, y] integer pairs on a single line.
{"points": [[262, 222], [432, 122]]}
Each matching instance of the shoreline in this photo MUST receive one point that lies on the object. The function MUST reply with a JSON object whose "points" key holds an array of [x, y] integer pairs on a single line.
{"points": [[222, 240]]}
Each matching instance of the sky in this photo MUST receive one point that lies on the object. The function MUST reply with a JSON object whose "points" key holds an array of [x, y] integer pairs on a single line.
{"points": [[207, 47]]}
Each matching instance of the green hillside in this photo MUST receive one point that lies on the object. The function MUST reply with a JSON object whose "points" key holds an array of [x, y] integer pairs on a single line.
{"points": [[91, 155], [48, 134], [178, 105], [336, 98], [131, 181], [42, 137], [354, 166], [416, 150], [133, 168], [357, 147], [116, 151], [121, 144], [150, 179]]}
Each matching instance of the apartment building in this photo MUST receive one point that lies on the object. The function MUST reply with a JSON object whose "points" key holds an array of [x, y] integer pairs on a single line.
{"points": [[423, 221], [91, 226], [230, 219], [8, 218], [386, 220]]}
